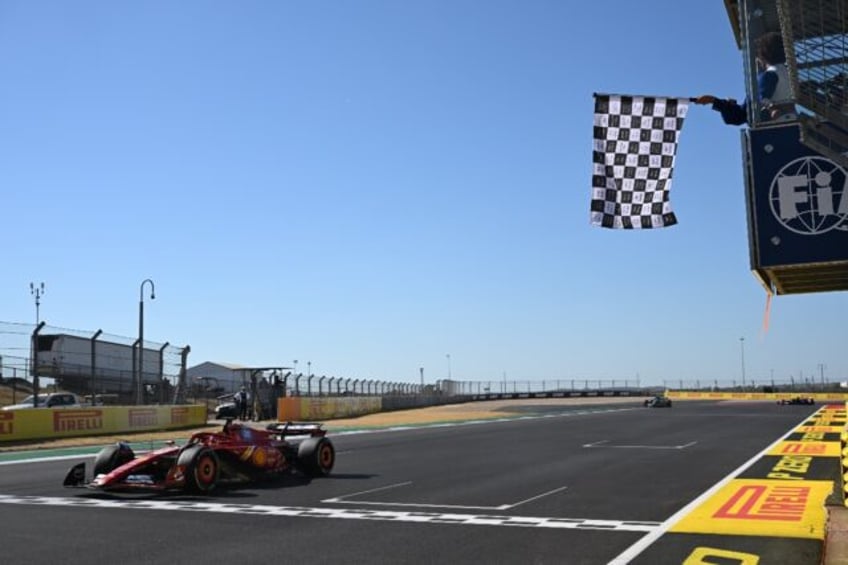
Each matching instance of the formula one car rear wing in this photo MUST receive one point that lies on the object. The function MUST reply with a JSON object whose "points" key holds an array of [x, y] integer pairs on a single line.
{"points": [[297, 428]]}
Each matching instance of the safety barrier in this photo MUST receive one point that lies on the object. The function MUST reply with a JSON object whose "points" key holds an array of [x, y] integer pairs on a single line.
{"points": [[51, 423], [327, 407], [324, 408], [774, 396]]}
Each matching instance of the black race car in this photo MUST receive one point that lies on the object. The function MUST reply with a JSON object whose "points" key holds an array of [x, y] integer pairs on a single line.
{"points": [[658, 402], [797, 400]]}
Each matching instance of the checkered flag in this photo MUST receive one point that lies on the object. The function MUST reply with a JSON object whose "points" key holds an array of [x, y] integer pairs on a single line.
{"points": [[635, 142]]}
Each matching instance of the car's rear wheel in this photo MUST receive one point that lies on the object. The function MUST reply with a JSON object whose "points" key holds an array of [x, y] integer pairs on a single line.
{"points": [[316, 456], [202, 468], [111, 457]]}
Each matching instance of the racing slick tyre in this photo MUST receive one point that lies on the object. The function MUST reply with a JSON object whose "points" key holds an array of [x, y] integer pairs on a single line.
{"points": [[202, 468], [111, 457], [315, 456]]}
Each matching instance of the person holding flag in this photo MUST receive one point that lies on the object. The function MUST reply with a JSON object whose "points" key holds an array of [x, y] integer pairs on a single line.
{"points": [[773, 86]]}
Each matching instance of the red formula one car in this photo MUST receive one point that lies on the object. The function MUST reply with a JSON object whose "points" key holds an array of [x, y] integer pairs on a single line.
{"points": [[236, 454]]}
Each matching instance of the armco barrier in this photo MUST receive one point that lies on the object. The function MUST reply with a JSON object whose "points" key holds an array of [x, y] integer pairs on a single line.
{"points": [[50, 423]]}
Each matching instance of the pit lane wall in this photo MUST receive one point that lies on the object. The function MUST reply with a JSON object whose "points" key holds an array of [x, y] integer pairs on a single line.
{"points": [[52, 423]]}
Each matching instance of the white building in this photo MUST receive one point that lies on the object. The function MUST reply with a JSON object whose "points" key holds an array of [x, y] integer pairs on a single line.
{"points": [[228, 377]]}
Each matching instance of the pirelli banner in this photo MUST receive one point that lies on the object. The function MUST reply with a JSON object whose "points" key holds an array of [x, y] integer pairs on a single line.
{"points": [[774, 396], [48, 423]]}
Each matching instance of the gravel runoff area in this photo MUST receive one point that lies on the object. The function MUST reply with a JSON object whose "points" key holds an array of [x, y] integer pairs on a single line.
{"points": [[480, 410]]}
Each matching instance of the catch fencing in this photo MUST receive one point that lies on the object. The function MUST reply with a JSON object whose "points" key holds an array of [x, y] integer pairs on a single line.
{"points": [[103, 367]]}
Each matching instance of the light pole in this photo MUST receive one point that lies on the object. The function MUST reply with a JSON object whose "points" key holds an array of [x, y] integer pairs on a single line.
{"points": [[308, 368], [742, 342], [449, 366], [138, 398], [294, 372], [37, 290]]}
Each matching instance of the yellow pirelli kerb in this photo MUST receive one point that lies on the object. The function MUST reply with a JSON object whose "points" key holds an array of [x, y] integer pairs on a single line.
{"points": [[762, 507]]}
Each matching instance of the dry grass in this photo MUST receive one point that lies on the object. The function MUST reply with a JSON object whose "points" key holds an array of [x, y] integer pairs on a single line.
{"points": [[10, 395]]}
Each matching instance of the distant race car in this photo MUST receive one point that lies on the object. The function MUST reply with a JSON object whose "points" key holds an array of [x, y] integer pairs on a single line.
{"points": [[658, 402], [797, 400], [236, 454]]}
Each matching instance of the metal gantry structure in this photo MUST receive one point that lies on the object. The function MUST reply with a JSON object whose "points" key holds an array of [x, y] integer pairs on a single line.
{"points": [[796, 167]]}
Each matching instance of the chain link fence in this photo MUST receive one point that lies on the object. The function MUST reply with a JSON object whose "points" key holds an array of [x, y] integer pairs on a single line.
{"points": [[103, 367]]}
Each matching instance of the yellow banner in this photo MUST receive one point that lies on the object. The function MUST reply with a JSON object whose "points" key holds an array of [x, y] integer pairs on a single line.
{"points": [[705, 395], [326, 408], [49, 423]]}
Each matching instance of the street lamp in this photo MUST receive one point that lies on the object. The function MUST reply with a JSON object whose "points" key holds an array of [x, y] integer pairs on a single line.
{"points": [[742, 342], [138, 399], [37, 290], [449, 365]]}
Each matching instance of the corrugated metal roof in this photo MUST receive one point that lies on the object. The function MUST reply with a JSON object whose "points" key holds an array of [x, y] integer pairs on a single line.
{"points": [[230, 366]]}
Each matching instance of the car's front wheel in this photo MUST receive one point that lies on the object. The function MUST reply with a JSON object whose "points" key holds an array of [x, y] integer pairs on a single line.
{"points": [[202, 468], [111, 457]]}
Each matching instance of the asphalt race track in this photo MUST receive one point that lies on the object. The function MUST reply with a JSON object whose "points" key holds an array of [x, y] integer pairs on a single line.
{"points": [[592, 484]]}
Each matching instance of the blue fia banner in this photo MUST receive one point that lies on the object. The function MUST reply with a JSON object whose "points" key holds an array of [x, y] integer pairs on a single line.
{"points": [[798, 200]]}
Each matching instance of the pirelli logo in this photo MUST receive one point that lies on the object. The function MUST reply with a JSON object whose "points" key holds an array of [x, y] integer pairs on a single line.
{"points": [[143, 417], [762, 502], [810, 447], [7, 423], [179, 416], [761, 507], [77, 420]]}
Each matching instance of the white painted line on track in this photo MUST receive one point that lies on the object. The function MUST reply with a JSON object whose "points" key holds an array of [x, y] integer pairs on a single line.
{"points": [[343, 500], [605, 443], [57, 458], [537, 497], [387, 487], [338, 513], [646, 541], [45, 459], [416, 504]]}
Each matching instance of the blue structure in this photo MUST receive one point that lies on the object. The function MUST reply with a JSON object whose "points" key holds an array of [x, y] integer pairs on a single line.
{"points": [[796, 170], [797, 213]]}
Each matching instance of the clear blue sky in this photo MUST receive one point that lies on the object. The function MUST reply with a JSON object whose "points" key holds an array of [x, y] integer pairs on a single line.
{"points": [[372, 185]]}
